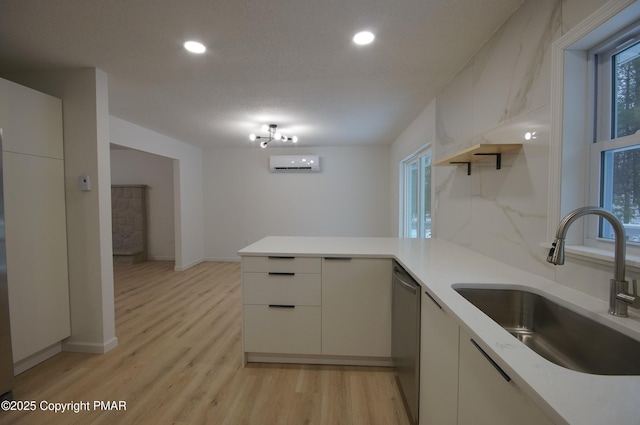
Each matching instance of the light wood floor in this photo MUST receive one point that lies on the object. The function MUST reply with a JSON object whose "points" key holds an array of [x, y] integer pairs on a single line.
{"points": [[179, 362]]}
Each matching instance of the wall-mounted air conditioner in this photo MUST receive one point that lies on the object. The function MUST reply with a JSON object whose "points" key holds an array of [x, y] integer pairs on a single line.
{"points": [[294, 163]]}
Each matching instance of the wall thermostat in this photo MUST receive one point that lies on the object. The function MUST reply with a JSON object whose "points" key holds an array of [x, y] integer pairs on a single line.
{"points": [[84, 182]]}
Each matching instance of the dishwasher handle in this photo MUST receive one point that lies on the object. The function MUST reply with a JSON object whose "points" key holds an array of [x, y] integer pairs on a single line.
{"points": [[410, 286]]}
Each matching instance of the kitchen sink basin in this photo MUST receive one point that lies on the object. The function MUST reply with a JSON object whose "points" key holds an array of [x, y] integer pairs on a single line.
{"points": [[556, 333]]}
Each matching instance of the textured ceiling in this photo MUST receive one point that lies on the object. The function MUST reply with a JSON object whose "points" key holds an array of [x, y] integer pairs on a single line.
{"points": [[286, 62]]}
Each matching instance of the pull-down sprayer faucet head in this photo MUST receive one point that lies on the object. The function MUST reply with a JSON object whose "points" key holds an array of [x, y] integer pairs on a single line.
{"points": [[556, 253]]}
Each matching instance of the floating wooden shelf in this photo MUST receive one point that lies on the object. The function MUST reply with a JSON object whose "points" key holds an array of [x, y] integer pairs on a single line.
{"points": [[477, 153]]}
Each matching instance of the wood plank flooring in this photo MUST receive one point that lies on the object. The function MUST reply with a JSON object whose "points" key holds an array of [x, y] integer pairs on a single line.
{"points": [[179, 362]]}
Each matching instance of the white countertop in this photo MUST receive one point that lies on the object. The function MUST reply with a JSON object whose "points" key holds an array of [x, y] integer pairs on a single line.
{"points": [[565, 395]]}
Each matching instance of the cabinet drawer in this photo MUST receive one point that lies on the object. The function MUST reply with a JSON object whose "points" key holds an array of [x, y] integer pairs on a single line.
{"points": [[281, 264], [296, 289], [282, 330]]}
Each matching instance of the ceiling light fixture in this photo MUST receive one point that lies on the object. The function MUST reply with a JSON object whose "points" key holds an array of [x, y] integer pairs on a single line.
{"points": [[364, 37], [272, 134], [195, 47]]}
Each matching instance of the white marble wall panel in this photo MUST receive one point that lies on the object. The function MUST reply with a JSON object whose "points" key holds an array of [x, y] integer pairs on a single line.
{"points": [[512, 70], [452, 216], [454, 114], [584, 276], [509, 206], [505, 90], [576, 11], [454, 132]]}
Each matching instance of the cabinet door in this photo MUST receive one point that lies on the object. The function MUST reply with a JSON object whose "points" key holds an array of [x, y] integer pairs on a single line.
{"points": [[293, 330], [36, 252], [31, 121], [356, 307], [486, 397], [438, 365]]}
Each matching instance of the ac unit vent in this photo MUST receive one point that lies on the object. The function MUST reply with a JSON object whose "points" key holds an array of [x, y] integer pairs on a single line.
{"points": [[294, 163]]}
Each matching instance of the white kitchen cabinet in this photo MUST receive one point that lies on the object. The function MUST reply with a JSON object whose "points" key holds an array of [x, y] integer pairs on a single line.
{"points": [[35, 219], [356, 307], [486, 397], [282, 330], [438, 364], [281, 264], [31, 121], [281, 305], [299, 289]]}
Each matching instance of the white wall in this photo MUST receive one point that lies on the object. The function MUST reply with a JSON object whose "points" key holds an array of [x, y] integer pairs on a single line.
{"points": [[187, 185], [502, 92], [129, 166], [245, 202]]}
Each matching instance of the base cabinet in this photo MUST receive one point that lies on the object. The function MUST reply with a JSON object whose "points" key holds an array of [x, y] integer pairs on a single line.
{"points": [[281, 305], [438, 365], [356, 307], [315, 306], [486, 397]]}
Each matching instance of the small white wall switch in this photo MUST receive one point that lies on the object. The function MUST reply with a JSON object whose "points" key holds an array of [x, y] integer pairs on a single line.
{"points": [[84, 182]]}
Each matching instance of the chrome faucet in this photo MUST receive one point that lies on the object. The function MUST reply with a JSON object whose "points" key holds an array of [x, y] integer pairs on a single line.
{"points": [[619, 298]]}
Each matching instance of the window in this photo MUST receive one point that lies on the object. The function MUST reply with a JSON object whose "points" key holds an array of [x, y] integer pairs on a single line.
{"points": [[615, 151], [416, 195]]}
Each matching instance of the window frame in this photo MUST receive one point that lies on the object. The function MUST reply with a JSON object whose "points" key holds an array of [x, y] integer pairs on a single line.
{"points": [[601, 140], [570, 126], [405, 164]]}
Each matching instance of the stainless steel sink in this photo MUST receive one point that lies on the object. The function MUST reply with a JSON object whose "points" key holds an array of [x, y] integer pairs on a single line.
{"points": [[556, 333]]}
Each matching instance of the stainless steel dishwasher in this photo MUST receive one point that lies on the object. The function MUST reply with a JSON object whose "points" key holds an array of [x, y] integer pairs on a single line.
{"points": [[405, 338]]}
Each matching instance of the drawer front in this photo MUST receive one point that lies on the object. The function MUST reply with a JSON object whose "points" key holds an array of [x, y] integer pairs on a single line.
{"points": [[296, 289], [282, 330], [281, 264]]}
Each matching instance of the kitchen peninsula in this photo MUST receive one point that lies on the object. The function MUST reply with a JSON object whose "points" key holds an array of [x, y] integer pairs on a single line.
{"points": [[542, 391]]}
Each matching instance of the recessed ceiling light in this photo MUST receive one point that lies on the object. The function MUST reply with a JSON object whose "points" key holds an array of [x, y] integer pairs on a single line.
{"points": [[364, 37], [195, 47]]}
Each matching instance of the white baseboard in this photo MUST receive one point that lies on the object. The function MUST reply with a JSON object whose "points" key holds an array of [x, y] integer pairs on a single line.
{"points": [[188, 266], [90, 347], [224, 259], [37, 358]]}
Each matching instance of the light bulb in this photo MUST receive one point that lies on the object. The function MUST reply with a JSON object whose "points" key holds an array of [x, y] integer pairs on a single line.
{"points": [[294, 139], [195, 47], [263, 144], [364, 37], [264, 127], [277, 136], [252, 137]]}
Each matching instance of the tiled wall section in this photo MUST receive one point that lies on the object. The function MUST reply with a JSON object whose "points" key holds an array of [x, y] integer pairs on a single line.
{"points": [[129, 221]]}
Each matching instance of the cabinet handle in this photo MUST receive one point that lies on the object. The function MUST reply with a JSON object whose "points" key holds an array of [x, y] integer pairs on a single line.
{"points": [[281, 274], [281, 306], [280, 257], [338, 258], [494, 364], [433, 299]]}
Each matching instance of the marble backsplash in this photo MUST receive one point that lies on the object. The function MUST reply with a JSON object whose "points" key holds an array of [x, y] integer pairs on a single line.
{"points": [[503, 92]]}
